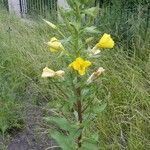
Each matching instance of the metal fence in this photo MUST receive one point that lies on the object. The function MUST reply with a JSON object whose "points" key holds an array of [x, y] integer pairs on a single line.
{"points": [[38, 7], [49, 6], [42, 7], [123, 8]]}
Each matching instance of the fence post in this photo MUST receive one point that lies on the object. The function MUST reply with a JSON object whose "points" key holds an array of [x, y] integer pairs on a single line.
{"points": [[62, 4], [23, 7], [14, 7]]}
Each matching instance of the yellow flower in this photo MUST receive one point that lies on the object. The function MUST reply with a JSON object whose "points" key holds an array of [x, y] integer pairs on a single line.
{"points": [[105, 42], [51, 73], [80, 65], [55, 45]]}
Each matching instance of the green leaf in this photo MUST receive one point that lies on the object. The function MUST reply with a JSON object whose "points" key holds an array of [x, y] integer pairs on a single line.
{"points": [[75, 26], [4, 124], [70, 3], [65, 142], [100, 108], [62, 123], [95, 136], [89, 145], [93, 11], [66, 40], [84, 1], [73, 3], [85, 92], [91, 29]]}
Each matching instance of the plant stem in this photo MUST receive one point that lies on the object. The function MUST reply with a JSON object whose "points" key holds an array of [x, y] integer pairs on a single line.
{"points": [[79, 110]]}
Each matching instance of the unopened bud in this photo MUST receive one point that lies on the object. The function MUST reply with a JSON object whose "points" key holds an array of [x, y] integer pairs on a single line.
{"points": [[50, 24]]}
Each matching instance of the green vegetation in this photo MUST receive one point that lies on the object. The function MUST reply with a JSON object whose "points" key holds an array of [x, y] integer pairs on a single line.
{"points": [[125, 86], [19, 55]]}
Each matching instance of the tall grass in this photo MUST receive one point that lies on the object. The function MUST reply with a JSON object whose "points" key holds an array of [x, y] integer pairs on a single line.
{"points": [[129, 22], [21, 55], [125, 86]]}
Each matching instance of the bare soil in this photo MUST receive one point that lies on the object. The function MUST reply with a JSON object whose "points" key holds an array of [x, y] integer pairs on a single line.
{"points": [[31, 137]]}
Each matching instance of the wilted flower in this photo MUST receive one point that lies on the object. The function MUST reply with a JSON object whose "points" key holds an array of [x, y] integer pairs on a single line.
{"points": [[94, 51], [50, 24], [49, 73], [60, 73], [55, 45], [95, 74], [80, 65], [105, 42]]}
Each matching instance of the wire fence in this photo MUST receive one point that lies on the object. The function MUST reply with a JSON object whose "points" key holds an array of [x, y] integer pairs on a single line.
{"points": [[117, 10], [49, 6], [120, 9], [42, 7], [34, 7]]}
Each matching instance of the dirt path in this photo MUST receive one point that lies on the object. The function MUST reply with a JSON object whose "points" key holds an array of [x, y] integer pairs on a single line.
{"points": [[31, 138]]}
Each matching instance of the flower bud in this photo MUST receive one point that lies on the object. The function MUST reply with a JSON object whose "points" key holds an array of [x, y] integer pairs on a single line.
{"points": [[47, 73], [55, 45], [105, 42], [50, 24], [51, 73]]}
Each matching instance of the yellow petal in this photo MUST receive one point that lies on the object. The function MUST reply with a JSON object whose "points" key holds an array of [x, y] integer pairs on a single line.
{"points": [[52, 49], [105, 42], [71, 65], [47, 73], [81, 72], [53, 39], [87, 63], [55, 45], [80, 65]]}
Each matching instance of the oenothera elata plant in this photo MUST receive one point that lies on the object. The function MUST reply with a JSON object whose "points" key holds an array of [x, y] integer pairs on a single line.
{"points": [[78, 75]]}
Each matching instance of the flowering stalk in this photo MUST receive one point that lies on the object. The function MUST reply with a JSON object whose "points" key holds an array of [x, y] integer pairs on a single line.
{"points": [[78, 54]]}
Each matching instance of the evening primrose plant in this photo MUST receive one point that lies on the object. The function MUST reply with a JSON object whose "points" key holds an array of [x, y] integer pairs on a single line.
{"points": [[76, 79]]}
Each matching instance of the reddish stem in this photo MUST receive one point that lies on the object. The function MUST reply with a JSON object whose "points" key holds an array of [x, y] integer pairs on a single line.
{"points": [[79, 110]]}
